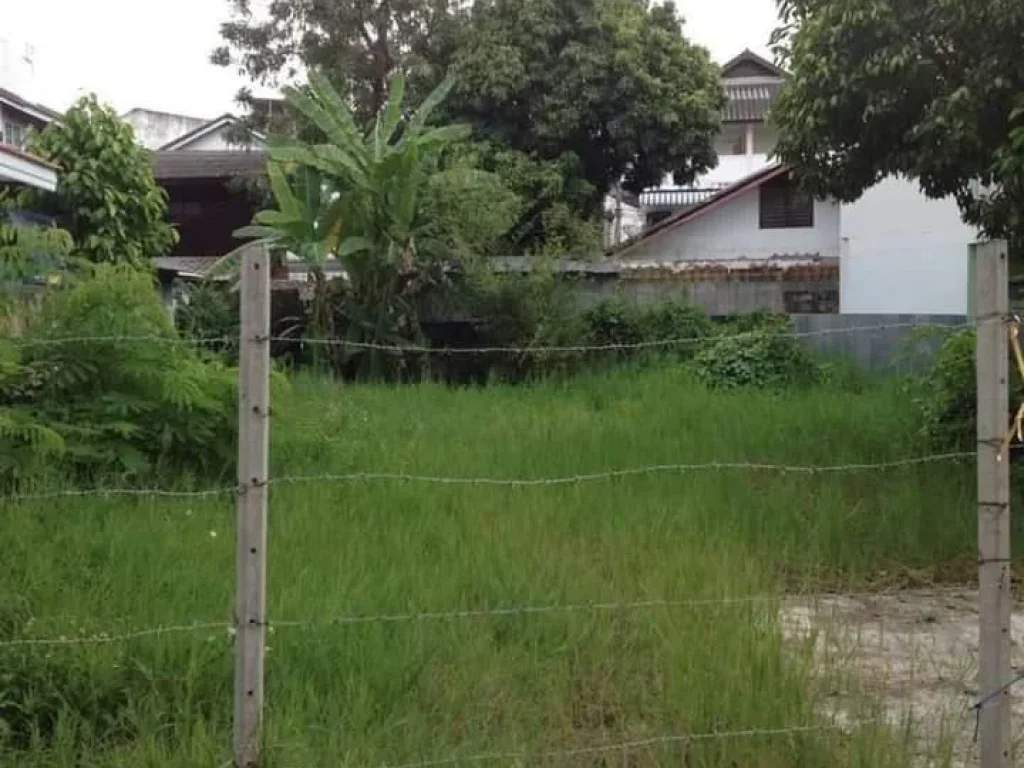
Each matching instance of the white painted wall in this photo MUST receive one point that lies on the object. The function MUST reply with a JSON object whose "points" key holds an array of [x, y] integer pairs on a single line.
{"points": [[733, 231], [154, 129], [903, 253]]}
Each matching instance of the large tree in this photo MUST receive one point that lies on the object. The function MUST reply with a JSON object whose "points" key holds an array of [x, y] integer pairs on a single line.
{"points": [[565, 96], [927, 89], [613, 83], [360, 44]]}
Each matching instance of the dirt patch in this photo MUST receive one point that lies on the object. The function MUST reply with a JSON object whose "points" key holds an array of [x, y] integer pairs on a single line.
{"points": [[915, 652]]}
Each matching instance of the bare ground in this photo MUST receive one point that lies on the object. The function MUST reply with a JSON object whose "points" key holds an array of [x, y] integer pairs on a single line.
{"points": [[915, 652]]}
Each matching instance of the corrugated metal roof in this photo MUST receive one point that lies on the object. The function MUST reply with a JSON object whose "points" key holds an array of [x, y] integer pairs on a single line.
{"points": [[749, 101], [202, 164], [196, 266]]}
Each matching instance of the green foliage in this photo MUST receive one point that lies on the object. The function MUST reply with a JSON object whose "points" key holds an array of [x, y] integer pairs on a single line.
{"points": [[468, 212], [566, 96], [416, 691], [30, 257], [106, 196], [116, 409], [947, 395], [29, 253], [209, 314], [361, 198], [359, 43], [867, 100], [612, 83], [539, 310], [522, 312], [620, 321], [551, 194], [763, 359]]}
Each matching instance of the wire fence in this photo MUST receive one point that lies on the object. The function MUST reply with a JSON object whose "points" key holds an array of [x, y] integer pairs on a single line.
{"points": [[120, 632], [509, 482], [541, 349], [515, 611]]}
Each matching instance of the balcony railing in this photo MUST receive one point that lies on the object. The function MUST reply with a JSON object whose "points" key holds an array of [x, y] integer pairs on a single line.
{"points": [[670, 199]]}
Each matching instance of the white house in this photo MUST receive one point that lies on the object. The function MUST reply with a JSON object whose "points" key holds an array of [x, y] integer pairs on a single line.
{"points": [[898, 251], [166, 131], [904, 252]]}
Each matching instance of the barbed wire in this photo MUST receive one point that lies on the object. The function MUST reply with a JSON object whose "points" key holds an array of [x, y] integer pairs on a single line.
{"points": [[510, 482], [113, 492], [542, 349], [626, 746], [624, 346], [104, 638], [608, 607], [507, 612], [619, 473], [126, 339]]}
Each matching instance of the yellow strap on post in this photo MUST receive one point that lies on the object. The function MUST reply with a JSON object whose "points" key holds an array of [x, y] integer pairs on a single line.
{"points": [[1017, 425]]}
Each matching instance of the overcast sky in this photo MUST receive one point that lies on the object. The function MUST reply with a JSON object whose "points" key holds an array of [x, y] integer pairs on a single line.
{"points": [[139, 53]]}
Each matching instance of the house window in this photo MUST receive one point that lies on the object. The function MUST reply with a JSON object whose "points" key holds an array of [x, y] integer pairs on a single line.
{"points": [[13, 134], [785, 206]]}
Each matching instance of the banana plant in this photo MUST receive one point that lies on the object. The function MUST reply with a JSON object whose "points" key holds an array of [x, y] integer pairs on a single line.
{"points": [[358, 197]]}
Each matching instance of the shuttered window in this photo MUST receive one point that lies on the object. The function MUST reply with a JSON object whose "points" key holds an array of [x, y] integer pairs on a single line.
{"points": [[785, 206]]}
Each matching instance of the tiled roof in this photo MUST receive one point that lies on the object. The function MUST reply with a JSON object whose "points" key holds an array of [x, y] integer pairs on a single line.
{"points": [[201, 164], [791, 267], [749, 101]]}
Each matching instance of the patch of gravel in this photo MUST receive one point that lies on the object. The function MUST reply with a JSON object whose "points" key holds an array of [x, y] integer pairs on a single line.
{"points": [[915, 652]]}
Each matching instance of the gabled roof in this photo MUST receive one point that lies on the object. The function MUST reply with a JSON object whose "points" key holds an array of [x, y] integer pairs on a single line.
{"points": [[749, 64], [225, 120], [38, 111], [751, 84], [207, 164], [717, 200]]}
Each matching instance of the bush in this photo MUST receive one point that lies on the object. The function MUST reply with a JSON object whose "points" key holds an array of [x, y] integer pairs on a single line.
{"points": [[947, 395], [125, 409], [209, 314], [620, 321], [762, 358], [524, 312]]}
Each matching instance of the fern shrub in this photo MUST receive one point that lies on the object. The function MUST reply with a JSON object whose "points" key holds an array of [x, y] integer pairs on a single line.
{"points": [[118, 409]]}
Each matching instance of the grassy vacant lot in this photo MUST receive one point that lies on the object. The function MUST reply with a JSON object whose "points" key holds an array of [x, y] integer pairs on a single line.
{"points": [[392, 693]]}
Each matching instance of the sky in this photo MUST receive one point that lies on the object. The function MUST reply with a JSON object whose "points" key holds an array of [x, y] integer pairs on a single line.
{"points": [[140, 53]]}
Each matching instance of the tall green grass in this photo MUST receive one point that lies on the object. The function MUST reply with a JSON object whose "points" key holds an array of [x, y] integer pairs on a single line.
{"points": [[390, 693]]}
